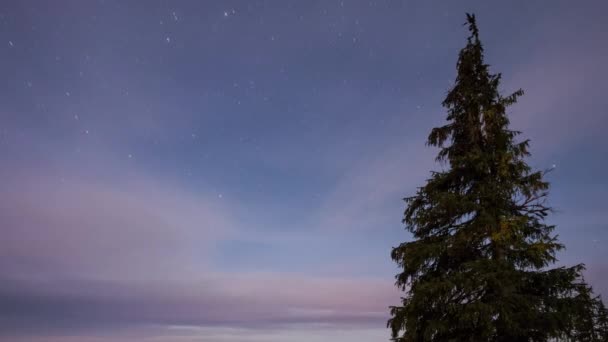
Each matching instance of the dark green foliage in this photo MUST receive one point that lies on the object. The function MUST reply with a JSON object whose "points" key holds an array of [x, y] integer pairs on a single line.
{"points": [[591, 321], [478, 268], [601, 320]]}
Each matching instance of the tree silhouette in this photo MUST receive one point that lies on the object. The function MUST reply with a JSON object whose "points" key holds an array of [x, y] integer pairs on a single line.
{"points": [[478, 268]]}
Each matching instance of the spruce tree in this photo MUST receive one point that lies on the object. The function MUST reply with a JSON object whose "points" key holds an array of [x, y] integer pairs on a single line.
{"points": [[479, 265], [601, 321]]}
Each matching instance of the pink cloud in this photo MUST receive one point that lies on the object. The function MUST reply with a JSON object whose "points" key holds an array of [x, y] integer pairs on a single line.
{"points": [[224, 334], [138, 252], [124, 230]]}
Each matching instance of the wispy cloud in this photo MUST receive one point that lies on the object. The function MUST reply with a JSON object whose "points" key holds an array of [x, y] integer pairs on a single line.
{"points": [[108, 231], [300, 333], [239, 301], [370, 192], [563, 78], [83, 255]]}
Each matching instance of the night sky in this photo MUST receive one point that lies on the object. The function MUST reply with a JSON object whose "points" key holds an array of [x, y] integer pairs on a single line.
{"points": [[233, 170]]}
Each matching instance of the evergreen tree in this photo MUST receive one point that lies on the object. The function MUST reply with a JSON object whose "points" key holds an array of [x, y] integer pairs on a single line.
{"points": [[590, 323], [601, 321], [585, 319], [478, 268]]}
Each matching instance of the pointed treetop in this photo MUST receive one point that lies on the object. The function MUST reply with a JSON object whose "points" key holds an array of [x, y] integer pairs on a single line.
{"points": [[472, 27]]}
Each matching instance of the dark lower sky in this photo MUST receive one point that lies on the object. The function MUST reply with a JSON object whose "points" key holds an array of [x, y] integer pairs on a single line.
{"points": [[233, 170]]}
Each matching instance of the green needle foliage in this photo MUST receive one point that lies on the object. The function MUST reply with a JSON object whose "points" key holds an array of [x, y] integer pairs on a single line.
{"points": [[478, 268]]}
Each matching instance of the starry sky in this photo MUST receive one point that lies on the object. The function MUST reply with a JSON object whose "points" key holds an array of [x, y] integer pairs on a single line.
{"points": [[233, 170]]}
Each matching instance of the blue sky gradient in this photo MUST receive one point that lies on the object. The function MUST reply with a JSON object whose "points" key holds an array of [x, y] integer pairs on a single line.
{"points": [[233, 170]]}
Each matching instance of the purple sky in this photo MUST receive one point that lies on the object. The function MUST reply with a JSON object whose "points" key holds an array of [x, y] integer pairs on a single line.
{"points": [[233, 171]]}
